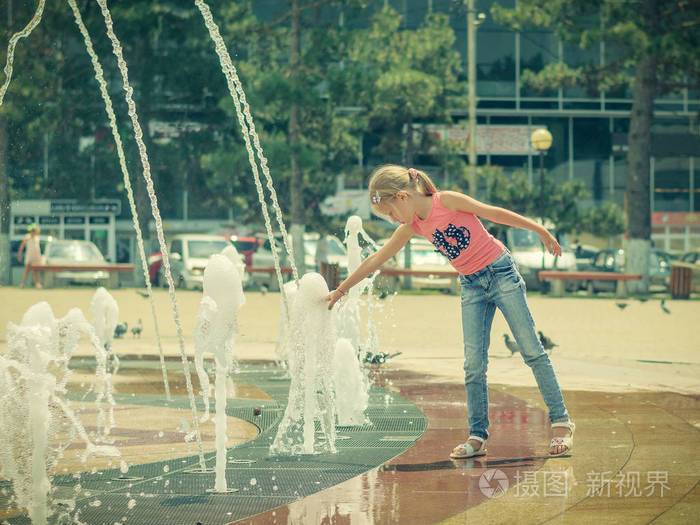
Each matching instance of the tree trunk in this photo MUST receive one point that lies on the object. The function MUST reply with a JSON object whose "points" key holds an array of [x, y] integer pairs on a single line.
{"points": [[296, 188], [637, 194], [5, 252]]}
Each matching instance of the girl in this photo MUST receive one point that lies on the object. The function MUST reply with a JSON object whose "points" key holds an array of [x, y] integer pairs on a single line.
{"points": [[33, 255], [488, 278]]}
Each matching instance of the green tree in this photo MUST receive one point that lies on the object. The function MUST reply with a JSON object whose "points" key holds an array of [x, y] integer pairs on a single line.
{"points": [[306, 138], [513, 191], [652, 46], [401, 78], [605, 220]]}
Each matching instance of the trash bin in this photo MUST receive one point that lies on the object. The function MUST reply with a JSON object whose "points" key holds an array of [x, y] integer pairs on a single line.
{"points": [[681, 282], [331, 273]]}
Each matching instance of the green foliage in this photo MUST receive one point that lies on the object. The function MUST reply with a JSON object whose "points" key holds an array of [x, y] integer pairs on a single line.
{"points": [[399, 77], [513, 191], [605, 220]]}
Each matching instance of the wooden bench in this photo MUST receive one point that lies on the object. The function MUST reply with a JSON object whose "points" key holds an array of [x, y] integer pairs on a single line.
{"points": [[559, 278], [113, 271]]}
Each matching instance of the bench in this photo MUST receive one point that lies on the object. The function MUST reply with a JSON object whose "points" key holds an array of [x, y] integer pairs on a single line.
{"points": [[559, 278], [112, 269]]}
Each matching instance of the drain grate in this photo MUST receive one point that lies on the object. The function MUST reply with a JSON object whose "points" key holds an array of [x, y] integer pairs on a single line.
{"points": [[258, 482]]}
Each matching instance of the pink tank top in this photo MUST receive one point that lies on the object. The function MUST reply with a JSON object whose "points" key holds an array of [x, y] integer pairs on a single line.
{"points": [[459, 236]]}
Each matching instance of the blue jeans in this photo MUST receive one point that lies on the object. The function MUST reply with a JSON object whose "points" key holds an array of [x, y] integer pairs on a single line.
{"points": [[500, 285]]}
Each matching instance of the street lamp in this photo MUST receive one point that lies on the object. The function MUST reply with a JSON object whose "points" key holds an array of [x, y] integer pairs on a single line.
{"points": [[474, 18], [541, 140]]}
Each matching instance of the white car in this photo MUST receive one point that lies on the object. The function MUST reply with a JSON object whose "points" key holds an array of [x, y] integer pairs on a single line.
{"points": [[76, 253], [189, 254], [262, 257], [424, 257], [531, 257]]}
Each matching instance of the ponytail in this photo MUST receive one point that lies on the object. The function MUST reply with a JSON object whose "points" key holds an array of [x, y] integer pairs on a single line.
{"points": [[386, 181]]}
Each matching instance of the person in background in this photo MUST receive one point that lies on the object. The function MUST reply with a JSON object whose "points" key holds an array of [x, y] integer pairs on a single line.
{"points": [[32, 255]]}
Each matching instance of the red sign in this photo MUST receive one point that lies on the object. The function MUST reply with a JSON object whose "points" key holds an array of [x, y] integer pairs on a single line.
{"points": [[675, 218]]}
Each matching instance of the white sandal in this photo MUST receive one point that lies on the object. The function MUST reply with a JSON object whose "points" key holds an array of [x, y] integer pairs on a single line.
{"points": [[566, 441], [469, 451]]}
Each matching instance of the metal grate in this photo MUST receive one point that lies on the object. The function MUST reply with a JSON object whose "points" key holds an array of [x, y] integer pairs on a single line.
{"points": [[262, 482]]}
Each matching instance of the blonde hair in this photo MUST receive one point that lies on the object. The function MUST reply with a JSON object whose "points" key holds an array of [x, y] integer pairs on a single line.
{"points": [[386, 181]]}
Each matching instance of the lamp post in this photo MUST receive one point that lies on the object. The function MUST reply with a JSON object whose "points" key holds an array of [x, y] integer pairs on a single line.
{"points": [[541, 140], [473, 20]]}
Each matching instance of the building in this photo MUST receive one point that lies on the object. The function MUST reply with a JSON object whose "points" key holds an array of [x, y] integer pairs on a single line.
{"points": [[589, 131]]}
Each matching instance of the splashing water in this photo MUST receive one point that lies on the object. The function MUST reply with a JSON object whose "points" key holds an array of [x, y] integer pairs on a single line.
{"points": [[311, 337], [138, 134], [247, 125], [99, 75], [283, 349], [351, 409], [24, 33], [349, 310], [34, 412], [351, 393], [105, 316], [217, 321]]}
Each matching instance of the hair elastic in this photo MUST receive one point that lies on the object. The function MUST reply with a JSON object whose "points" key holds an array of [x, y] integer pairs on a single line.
{"points": [[413, 174], [376, 198]]}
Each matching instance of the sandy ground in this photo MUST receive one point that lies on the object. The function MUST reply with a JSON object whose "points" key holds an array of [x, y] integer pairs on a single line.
{"points": [[601, 347]]}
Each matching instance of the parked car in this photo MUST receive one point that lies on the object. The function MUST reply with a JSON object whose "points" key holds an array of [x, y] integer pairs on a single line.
{"points": [[693, 258], [76, 253], [424, 257], [614, 261], [188, 255], [585, 256], [246, 246], [336, 252], [530, 257]]}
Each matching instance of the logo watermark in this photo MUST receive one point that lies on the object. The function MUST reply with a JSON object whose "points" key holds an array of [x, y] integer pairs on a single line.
{"points": [[494, 483]]}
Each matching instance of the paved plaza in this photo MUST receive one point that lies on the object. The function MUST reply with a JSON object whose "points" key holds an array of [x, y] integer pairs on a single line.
{"points": [[630, 378]]}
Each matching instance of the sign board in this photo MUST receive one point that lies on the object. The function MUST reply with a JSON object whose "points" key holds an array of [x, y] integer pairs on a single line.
{"points": [[675, 218], [86, 207], [490, 140]]}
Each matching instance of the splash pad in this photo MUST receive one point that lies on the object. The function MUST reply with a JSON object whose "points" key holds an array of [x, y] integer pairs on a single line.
{"points": [[312, 412]]}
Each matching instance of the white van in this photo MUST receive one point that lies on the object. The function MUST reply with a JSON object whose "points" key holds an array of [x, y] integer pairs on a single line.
{"points": [[188, 255]]}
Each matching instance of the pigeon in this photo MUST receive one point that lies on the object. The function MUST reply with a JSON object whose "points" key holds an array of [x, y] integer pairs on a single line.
{"points": [[379, 358], [642, 299], [512, 345], [621, 306], [383, 294], [142, 294], [664, 307], [120, 330], [136, 330], [547, 343], [263, 289]]}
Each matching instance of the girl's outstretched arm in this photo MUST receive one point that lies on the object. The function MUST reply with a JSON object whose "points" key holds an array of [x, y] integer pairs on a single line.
{"points": [[456, 201], [397, 241]]}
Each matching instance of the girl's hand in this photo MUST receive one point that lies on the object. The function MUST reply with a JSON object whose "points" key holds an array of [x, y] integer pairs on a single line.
{"points": [[550, 243], [334, 297]]}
